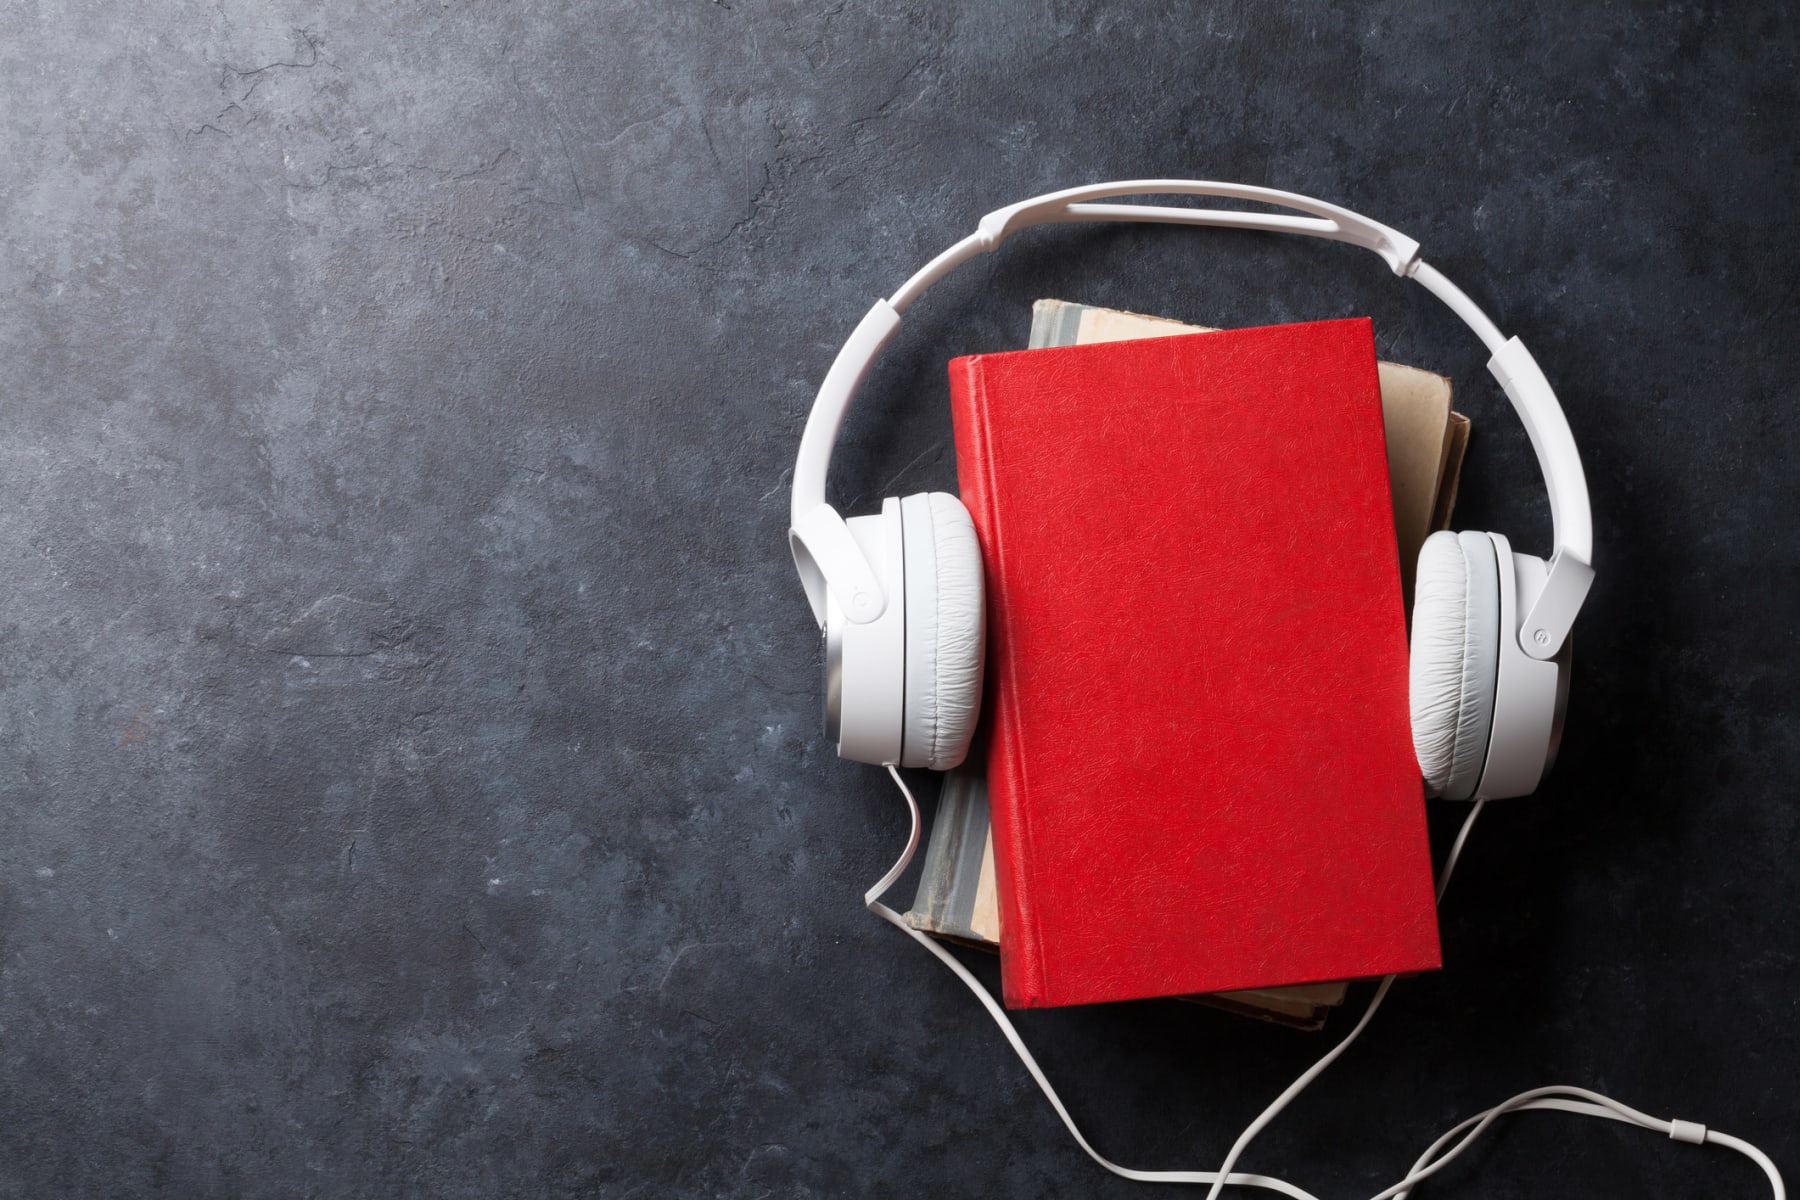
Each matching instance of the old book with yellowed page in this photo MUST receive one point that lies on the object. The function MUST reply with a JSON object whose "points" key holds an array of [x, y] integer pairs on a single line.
{"points": [[1425, 442]]}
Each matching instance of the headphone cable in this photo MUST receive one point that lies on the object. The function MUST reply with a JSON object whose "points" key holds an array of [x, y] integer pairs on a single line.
{"points": [[1438, 1155]]}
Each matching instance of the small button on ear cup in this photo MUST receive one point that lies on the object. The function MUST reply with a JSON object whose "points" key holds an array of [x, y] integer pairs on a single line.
{"points": [[1455, 660], [945, 631]]}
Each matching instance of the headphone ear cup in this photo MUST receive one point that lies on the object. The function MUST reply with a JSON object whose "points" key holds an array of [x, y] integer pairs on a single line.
{"points": [[1455, 660], [945, 631]]}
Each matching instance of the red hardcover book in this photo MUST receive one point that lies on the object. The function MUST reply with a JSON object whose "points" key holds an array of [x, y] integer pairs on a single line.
{"points": [[1200, 760]]}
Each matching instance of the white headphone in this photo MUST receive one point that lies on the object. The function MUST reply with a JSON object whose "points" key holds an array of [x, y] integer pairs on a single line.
{"points": [[899, 595]]}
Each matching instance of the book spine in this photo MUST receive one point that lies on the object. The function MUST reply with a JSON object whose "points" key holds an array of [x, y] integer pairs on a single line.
{"points": [[1021, 950]]}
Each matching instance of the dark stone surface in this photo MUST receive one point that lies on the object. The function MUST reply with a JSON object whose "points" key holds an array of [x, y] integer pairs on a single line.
{"points": [[410, 773]]}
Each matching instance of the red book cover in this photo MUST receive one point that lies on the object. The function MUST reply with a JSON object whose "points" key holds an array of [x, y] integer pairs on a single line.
{"points": [[1200, 760]]}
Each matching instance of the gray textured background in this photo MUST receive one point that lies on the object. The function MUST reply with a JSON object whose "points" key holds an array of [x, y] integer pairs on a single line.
{"points": [[410, 773]]}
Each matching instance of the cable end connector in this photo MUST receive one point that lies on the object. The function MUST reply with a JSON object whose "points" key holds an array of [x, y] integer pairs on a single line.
{"points": [[1691, 1132]]}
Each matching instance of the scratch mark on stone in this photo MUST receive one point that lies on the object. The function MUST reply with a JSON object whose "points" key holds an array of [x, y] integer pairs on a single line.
{"points": [[888, 487], [312, 49], [682, 953], [456, 176], [765, 1148], [286, 653], [574, 177], [781, 483]]}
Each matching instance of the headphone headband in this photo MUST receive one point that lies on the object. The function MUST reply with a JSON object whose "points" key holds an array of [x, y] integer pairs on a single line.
{"points": [[829, 559]]}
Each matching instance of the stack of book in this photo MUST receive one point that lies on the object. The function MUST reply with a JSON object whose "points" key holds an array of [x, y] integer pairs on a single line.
{"points": [[960, 887]]}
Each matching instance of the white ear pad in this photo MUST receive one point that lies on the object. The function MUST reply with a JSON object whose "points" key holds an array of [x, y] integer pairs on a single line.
{"points": [[1455, 660], [945, 631]]}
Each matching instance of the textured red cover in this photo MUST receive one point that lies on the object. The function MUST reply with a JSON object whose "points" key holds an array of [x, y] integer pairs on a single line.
{"points": [[1200, 760]]}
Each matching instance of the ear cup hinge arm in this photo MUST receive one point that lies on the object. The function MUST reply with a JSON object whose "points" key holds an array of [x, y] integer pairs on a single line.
{"points": [[1547, 623], [1524, 383], [830, 560], [1552, 614], [825, 554]]}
